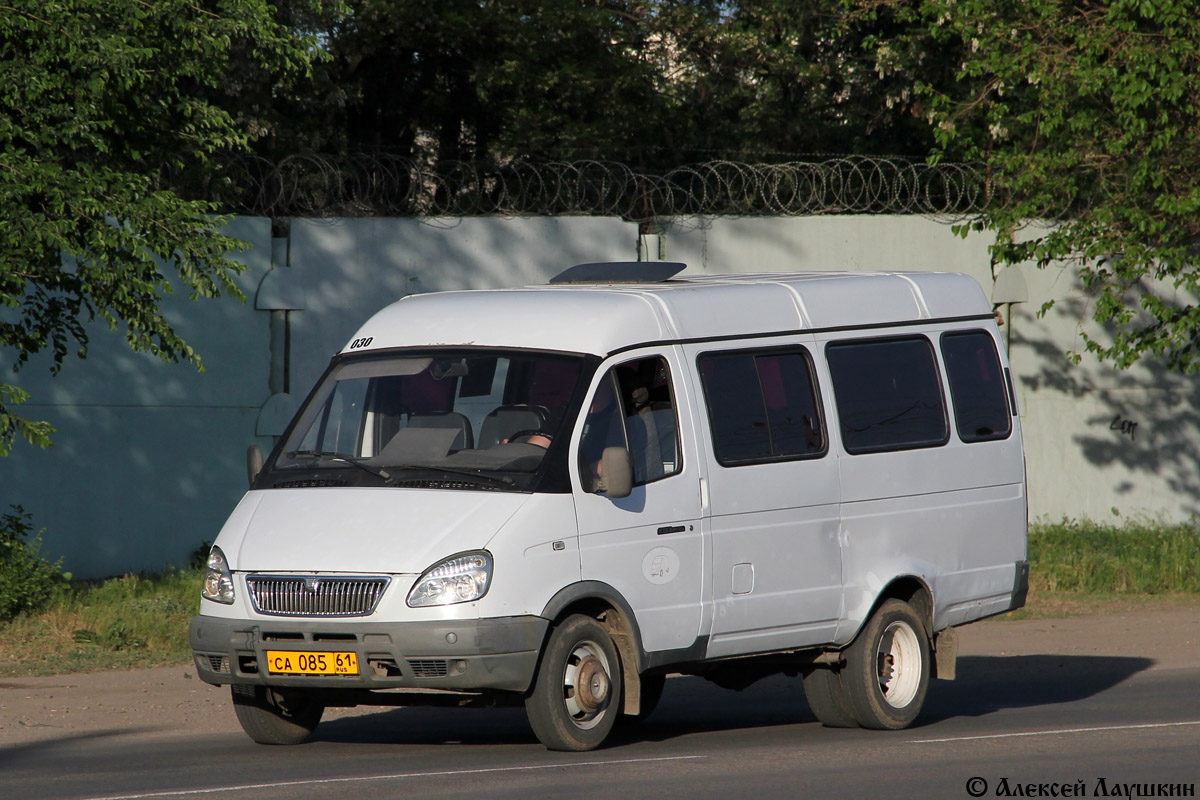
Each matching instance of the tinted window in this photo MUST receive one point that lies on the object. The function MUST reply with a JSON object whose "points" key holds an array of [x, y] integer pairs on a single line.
{"points": [[888, 394], [761, 406], [977, 386], [633, 407]]}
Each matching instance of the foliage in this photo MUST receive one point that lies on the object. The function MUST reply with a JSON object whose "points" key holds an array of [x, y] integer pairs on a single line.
{"points": [[125, 622], [27, 581], [97, 99], [1136, 557], [1088, 116], [649, 83]]}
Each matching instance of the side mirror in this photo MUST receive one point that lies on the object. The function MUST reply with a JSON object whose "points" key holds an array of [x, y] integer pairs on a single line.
{"points": [[254, 462], [616, 472]]}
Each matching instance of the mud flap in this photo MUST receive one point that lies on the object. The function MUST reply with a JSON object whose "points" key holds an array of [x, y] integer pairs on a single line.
{"points": [[945, 651]]}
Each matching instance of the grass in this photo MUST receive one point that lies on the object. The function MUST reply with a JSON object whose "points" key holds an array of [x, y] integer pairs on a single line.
{"points": [[121, 623], [1085, 567], [1076, 567], [1136, 557]]}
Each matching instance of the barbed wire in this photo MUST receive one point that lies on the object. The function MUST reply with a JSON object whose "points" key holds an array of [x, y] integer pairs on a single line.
{"points": [[385, 185]]}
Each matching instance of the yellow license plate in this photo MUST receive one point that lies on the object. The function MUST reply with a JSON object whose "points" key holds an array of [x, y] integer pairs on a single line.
{"points": [[297, 662]]}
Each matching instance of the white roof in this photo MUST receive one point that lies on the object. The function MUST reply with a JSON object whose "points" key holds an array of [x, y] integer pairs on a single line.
{"points": [[602, 318]]}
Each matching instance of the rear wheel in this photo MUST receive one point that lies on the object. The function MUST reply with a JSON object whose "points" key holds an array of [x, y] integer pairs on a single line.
{"points": [[272, 716], [577, 692], [827, 698], [887, 668]]}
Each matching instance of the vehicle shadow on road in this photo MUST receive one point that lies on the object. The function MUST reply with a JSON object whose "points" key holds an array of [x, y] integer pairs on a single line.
{"points": [[415, 725], [23, 751], [985, 684], [990, 683]]}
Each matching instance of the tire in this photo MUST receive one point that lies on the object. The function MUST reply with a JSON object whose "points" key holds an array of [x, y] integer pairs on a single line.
{"points": [[576, 696], [827, 698], [272, 717], [887, 668]]}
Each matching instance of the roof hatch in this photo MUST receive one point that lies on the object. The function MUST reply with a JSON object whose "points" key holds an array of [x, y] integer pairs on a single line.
{"points": [[620, 272]]}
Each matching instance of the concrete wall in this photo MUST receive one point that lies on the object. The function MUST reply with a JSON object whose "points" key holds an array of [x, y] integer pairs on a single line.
{"points": [[149, 457]]}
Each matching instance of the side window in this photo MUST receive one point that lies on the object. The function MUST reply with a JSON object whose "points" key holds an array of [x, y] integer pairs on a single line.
{"points": [[977, 386], [762, 406], [633, 407], [888, 394]]}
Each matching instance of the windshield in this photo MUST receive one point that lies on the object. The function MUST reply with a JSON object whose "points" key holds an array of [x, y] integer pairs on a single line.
{"points": [[463, 419]]}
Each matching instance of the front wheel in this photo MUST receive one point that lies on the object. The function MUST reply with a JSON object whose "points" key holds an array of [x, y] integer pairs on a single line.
{"points": [[269, 716], [576, 695], [887, 668]]}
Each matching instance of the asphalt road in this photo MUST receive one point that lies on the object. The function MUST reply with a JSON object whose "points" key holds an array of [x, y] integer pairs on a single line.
{"points": [[1043, 722]]}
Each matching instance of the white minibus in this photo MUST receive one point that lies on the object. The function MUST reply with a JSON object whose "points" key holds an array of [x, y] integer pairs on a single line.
{"points": [[559, 495]]}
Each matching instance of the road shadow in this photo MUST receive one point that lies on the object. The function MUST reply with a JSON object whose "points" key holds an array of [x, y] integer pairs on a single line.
{"points": [[987, 684], [23, 752], [416, 726], [690, 705]]}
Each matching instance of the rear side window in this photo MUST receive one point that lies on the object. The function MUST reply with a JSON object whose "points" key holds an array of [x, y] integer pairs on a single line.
{"points": [[762, 406], [977, 386], [888, 394]]}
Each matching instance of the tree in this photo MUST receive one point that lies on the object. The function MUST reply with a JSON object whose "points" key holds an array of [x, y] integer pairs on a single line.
{"points": [[1087, 115], [475, 79], [99, 99], [651, 83], [787, 77]]}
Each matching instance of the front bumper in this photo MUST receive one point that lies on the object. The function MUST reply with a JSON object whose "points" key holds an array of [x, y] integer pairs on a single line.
{"points": [[497, 654]]}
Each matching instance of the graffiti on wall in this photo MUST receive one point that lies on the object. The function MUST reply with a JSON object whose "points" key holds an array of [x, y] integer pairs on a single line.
{"points": [[1126, 426]]}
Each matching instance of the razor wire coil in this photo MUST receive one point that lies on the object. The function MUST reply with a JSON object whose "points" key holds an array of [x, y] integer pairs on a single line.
{"points": [[368, 184]]}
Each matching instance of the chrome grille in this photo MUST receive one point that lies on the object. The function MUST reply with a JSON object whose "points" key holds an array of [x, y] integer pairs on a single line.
{"points": [[315, 595]]}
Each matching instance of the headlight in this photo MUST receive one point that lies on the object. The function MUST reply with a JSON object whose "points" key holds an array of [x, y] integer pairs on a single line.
{"points": [[218, 581], [458, 579]]}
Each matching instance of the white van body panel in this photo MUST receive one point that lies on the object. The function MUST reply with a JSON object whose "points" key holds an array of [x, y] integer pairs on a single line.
{"points": [[776, 558], [650, 546], [369, 530], [749, 308], [537, 318], [536, 553], [942, 514]]}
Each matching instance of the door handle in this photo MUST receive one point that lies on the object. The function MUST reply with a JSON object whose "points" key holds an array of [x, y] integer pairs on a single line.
{"points": [[671, 529]]}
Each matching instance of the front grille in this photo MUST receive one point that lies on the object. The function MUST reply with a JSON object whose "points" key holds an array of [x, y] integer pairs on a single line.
{"points": [[315, 596], [428, 668]]}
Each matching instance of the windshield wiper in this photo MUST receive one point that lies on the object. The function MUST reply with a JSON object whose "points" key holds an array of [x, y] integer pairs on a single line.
{"points": [[351, 460], [507, 481]]}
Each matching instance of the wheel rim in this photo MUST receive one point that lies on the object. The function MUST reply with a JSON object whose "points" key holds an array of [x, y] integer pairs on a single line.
{"points": [[586, 685], [899, 663]]}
